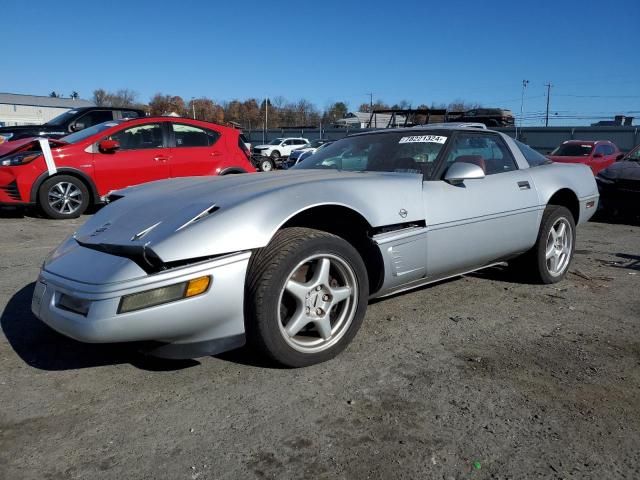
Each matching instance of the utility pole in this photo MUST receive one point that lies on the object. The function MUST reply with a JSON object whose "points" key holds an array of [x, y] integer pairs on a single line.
{"points": [[193, 106], [370, 102], [546, 120], [266, 119], [524, 87]]}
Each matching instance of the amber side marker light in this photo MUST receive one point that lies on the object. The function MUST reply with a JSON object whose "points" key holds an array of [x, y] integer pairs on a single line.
{"points": [[162, 295]]}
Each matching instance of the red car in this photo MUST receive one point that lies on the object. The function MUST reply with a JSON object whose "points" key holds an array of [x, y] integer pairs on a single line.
{"points": [[597, 154], [88, 164]]}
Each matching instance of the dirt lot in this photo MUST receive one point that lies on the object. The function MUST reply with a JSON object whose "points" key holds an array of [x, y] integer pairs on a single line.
{"points": [[478, 377]]}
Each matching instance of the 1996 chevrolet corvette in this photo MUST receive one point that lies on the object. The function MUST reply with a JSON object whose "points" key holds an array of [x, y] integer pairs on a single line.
{"points": [[288, 260]]}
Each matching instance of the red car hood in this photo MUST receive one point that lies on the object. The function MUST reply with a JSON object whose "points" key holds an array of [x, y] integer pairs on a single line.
{"points": [[7, 148], [563, 159]]}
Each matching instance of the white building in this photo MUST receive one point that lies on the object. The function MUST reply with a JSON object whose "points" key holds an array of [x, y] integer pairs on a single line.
{"points": [[17, 109]]}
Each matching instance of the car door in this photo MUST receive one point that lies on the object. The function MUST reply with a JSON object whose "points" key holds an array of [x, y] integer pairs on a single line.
{"points": [[480, 221], [287, 147], [195, 150], [599, 159], [141, 157]]}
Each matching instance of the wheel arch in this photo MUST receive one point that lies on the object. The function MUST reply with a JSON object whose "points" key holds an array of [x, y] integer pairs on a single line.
{"points": [[232, 170], [351, 226], [567, 198], [83, 177]]}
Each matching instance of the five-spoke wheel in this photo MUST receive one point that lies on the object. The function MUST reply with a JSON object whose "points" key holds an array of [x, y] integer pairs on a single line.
{"points": [[306, 296], [317, 303]]}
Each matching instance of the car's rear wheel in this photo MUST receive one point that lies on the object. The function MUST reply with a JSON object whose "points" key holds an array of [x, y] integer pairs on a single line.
{"points": [[306, 297], [266, 165], [548, 261], [63, 196]]}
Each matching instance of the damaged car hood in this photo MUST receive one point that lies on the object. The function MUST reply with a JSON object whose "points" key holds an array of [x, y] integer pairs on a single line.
{"points": [[198, 217]]}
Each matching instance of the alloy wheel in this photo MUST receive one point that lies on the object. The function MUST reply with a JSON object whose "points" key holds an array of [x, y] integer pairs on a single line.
{"points": [[559, 247], [317, 303], [65, 198]]}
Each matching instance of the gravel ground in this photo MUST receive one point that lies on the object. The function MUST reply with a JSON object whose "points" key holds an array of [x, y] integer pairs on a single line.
{"points": [[477, 377]]}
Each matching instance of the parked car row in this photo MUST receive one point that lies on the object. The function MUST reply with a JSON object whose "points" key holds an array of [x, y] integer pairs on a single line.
{"points": [[64, 176]]}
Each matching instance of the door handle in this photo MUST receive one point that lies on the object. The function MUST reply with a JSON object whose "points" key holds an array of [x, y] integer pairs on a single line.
{"points": [[215, 154], [160, 159], [524, 185]]}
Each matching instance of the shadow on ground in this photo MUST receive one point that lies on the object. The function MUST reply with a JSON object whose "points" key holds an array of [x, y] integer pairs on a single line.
{"points": [[41, 347]]}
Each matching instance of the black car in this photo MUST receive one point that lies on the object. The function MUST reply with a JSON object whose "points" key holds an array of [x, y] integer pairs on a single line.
{"points": [[491, 117], [70, 121], [619, 185]]}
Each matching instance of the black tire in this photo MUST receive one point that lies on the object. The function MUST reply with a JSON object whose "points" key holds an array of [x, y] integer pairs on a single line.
{"points": [[533, 264], [77, 202], [266, 165], [270, 268], [275, 155]]}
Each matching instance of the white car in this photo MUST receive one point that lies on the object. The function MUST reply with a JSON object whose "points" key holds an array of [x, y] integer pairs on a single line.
{"points": [[276, 149]]}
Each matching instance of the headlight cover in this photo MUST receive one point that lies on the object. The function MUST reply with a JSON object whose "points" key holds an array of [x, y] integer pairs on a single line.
{"points": [[159, 296], [20, 158]]}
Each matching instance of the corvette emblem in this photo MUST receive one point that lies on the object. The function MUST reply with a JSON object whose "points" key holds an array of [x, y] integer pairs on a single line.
{"points": [[402, 213]]}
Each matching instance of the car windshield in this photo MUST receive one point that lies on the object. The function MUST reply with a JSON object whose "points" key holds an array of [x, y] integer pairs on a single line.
{"points": [[315, 144], [381, 152], [634, 154], [87, 132], [62, 119], [276, 141], [573, 150], [533, 158]]}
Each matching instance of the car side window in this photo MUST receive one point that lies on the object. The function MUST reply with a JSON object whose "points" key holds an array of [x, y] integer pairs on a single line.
{"points": [[287, 142], [487, 151], [129, 114], [93, 118], [601, 150], [140, 137], [190, 136]]}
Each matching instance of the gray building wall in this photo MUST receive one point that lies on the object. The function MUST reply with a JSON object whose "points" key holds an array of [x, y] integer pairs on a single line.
{"points": [[543, 139], [17, 109]]}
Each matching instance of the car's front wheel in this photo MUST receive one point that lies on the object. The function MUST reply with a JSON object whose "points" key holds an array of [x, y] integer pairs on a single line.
{"points": [[63, 196], [548, 261], [266, 165], [306, 296]]}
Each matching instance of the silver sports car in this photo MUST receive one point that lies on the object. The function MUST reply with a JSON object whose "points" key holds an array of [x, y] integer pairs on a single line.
{"points": [[288, 260]]}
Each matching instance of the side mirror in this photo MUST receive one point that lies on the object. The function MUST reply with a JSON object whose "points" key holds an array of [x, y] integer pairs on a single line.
{"points": [[78, 126], [108, 146], [619, 157], [597, 155], [458, 172]]}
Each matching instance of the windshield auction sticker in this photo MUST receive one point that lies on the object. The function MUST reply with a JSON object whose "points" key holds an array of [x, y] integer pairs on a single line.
{"points": [[423, 139]]}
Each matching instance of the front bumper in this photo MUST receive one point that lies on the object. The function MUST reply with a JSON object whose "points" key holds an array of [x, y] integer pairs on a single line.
{"points": [[211, 322]]}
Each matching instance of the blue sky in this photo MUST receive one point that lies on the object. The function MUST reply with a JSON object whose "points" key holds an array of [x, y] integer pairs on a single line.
{"points": [[325, 51]]}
